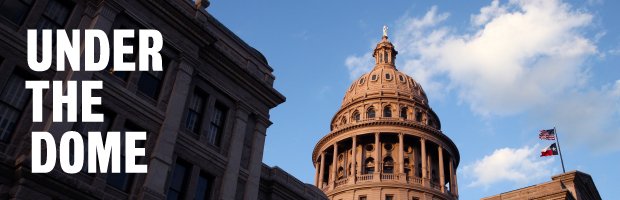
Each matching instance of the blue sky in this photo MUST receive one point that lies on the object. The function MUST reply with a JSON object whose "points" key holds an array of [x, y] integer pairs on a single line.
{"points": [[496, 73]]}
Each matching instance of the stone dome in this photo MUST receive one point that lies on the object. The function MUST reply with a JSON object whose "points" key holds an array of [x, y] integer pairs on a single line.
{"points": [[384, 80], [385, 84], [385, 140]]}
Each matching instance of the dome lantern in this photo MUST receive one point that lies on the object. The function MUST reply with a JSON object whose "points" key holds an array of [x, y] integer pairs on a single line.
{"points": [[385, 54]]}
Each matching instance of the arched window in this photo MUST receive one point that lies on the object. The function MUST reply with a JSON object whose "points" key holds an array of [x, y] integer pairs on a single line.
{"points": [[385, 57], [418, 115], [387, 111], [369, 166], [343, 120], [388, 165], [356, 116], [407, 167], [403, 112], [370, 113], [340, 173]]}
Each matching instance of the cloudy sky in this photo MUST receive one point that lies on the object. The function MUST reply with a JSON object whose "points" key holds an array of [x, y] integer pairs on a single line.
{"points": [[496, 72]]}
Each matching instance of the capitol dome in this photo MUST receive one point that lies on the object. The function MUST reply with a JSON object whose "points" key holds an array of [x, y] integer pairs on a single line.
{"points": [[385, 141]]}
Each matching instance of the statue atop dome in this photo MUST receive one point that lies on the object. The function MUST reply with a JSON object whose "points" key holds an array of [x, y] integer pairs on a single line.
{"points": [[385, 29]]}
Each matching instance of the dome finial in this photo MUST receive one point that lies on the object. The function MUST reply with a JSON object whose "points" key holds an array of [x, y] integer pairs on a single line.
{"points": [[385, 29]]}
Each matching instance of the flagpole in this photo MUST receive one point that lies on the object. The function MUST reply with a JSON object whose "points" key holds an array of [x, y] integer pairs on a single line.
{"points": [[557, 140]]}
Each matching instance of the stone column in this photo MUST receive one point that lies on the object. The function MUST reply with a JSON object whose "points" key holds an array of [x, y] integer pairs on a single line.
{"points": [[334, 167], [441, 169], [456, 183], [321, 170], [401, 153], [377, 152], [229, 180], [451, 166], [401, 158], [317, 166], [354, 158], [423, 149], [256, 160], [161, 157]]}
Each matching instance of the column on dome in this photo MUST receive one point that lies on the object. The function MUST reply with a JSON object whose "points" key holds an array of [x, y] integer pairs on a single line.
{"points": [[423, 159], [451, 166], [354, 159], [441, 169], [377, 152], [334, 169], [401, 156], [322, 170]]}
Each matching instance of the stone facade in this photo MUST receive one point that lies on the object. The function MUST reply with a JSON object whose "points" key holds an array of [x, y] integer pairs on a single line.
{"points": [[205, 115], [385, 141], [573, 185]]}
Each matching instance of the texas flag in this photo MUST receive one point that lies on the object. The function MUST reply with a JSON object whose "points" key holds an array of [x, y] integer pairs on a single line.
{"points": [[549, 151]]}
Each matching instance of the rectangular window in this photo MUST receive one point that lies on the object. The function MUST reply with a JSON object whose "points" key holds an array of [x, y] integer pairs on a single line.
{"points": [[203, 188], [13, 99], [122, 180], [195, 111], [363, 198], [178, 180], [150, 81], [15, 10], [217, 124], [55, 15], [389, 197]]}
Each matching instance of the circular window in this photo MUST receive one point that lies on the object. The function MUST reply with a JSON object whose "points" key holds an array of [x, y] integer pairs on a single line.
{"points": [[369, 147], [361, 81], [388, 77], [402, 79], [388, 147], [374, 77]]}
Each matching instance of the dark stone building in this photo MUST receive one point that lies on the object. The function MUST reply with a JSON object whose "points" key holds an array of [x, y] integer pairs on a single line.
{"points": [[205, 114]]}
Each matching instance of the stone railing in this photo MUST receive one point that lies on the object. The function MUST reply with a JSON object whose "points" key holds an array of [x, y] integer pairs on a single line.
{"points": [[414, 180], [341, 182], [325, 187], [435, 186], [388, 177], [364, 177]]}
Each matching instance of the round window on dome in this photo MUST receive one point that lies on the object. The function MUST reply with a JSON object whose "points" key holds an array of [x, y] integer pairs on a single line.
{"points": [[402, 79], [369, 147], [374, 77], [388, 147], [362, 80], [388, 77]]}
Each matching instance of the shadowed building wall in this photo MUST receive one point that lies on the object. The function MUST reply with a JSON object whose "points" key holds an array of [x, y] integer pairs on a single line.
{"points": [[205, 114]]}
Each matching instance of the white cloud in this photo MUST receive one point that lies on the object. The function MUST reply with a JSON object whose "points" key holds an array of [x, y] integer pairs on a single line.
{"points": [[520, 166], [358, 65], [525, 58]]}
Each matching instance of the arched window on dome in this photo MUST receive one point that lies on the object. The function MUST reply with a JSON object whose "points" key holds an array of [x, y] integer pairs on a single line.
{"points": [[343, 120], [388, 165], [385, 57], [356, 116], [370, 113], [369, 166], [387, 111], [403, 112], [406, 166], [418, 115], [340, 173]]}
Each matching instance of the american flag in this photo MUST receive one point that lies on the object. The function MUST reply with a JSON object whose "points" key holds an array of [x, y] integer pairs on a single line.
{"points": [[548, 134]]}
